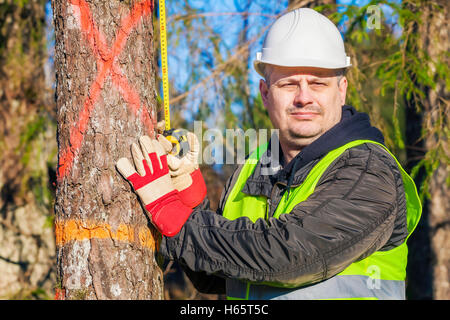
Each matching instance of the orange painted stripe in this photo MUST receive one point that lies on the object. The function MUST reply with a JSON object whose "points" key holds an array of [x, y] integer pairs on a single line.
{"points": [[77, 230]]}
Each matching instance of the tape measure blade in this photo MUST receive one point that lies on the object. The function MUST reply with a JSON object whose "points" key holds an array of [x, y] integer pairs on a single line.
{"points": [[164, 67]]}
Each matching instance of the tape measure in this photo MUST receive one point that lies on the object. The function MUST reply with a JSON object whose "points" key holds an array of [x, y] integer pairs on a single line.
{"points": [[178, 137], [165, 72]]}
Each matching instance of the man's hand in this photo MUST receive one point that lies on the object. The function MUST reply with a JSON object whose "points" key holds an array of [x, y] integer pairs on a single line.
{"points": [[151, 180], [185, 172]]}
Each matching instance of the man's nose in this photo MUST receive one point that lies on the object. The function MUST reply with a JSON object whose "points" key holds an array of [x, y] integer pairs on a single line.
{"points": [[303, 95]]}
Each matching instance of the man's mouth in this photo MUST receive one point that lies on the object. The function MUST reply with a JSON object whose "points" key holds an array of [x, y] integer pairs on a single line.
{"points": [[304, 115]]}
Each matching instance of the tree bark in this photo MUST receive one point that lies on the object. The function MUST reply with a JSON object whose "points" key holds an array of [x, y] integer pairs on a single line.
{"points": [[106, 99]]}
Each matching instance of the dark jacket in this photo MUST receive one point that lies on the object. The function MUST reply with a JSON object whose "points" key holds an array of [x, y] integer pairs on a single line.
{"points": [[357, 208]]}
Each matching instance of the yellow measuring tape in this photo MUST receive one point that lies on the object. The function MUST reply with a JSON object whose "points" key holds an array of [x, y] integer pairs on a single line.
{"points": [[178, 137], [165, 73]]}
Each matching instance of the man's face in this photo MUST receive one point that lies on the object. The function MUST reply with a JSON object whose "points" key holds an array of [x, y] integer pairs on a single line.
{"points": [[303, 102]]}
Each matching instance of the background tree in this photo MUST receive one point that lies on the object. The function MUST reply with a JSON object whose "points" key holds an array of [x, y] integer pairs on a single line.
{"points": [[426, 63], [106, 99], [27, 153]]}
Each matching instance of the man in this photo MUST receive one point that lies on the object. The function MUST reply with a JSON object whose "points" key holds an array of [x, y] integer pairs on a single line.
{"points": [[332, 223]]}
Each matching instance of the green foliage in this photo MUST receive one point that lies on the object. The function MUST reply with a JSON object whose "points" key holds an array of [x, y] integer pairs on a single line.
{"points": [[405, 74], [20, 3], [38, 160]]}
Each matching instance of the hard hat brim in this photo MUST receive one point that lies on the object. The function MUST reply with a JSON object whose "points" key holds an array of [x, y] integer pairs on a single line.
{"points": [[259, 65]]}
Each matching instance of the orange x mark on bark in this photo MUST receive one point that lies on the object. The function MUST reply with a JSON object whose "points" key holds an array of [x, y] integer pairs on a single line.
{"points": [[106, 58]]}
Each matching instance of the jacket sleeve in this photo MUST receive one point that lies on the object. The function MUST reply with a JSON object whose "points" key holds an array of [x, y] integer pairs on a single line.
{"points": [[202, 281], [350, 215]]}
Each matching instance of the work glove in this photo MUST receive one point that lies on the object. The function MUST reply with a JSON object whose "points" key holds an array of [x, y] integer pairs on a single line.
{"points": [[151, 180], [185, 172]]}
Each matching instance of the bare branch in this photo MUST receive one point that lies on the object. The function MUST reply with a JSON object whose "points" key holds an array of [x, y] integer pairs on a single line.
{"points": [[185, 17]]}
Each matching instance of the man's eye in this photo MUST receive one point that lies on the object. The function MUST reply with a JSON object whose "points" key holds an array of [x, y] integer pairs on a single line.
{"points": [[318, 84], [289, 85]]}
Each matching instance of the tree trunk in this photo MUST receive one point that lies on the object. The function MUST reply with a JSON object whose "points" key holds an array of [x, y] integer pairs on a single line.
{"points": [[429, 263], [106, 99], [435, 42], [26, 199]]}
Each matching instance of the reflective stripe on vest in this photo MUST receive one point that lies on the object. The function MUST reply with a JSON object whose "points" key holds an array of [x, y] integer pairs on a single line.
{"points": [[338, 287], [385, 269]]}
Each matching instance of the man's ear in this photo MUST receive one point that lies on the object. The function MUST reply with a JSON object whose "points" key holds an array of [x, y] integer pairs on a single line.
{"points": [[264, 90], [343, 83]]}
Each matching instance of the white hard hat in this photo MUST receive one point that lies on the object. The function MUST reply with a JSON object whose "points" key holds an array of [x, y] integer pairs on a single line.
{"points": [[303, 38]]}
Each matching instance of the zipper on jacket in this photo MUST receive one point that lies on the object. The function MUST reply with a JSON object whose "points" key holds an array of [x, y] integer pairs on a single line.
{"points": [[269, 201]]}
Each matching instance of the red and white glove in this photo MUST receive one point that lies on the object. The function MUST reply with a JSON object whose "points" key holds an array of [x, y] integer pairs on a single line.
{"points": [[154, 186], [185, 172]]}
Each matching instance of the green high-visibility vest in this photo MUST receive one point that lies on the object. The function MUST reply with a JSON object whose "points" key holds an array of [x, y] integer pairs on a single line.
{"points": [[380, 276]]}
